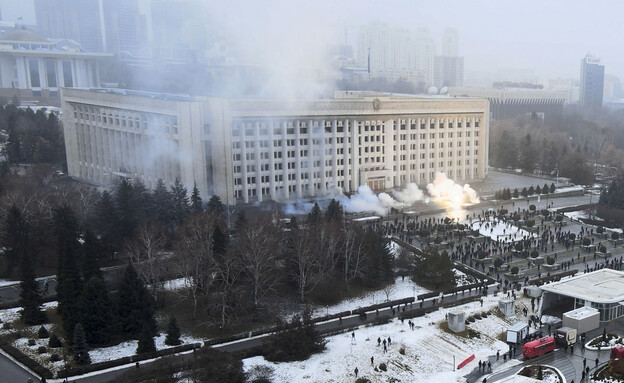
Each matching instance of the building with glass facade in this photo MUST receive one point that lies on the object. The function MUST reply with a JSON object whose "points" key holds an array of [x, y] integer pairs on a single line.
{"points": [[601, 289]]}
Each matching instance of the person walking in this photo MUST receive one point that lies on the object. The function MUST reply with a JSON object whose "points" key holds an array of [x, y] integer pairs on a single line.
{"points": [[480, 366], [378, 342], [597, 361], [356, 372], [389, 341], [489, 366], [353, 335], [497, 355], [372, 360]]}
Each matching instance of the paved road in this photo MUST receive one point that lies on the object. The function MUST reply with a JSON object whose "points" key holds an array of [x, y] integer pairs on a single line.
{"points": [[13, 373]]}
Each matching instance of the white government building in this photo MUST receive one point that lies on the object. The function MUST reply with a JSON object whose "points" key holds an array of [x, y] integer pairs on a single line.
{"points": [[249, 151]]}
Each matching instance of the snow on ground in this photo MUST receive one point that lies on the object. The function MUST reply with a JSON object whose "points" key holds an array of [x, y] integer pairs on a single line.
{"points": [[429, 351], [568, 189], [128, 348], [32, 351], [175, 284], [402, 288], [576, 215], [4, 282], [497, 229], [13, 314]]}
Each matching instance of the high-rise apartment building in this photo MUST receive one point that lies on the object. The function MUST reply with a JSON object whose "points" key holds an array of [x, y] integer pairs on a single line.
{"points": [[592, 83], [257, 150], [450, 43], [449, 66], [382, 48]]}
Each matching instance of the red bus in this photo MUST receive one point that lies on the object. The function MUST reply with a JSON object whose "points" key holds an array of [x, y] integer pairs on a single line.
{"points": [[617, 353], [538, 347]]}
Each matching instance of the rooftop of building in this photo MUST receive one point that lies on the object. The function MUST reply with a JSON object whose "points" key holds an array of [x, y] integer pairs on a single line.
{"points": [[23, 41], [141, 93], [581, 313], [600, 286]]}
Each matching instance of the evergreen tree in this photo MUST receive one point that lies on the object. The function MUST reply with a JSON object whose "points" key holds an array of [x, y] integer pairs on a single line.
{"points": [[146, 341], [241, 220], [334, 211], [68, 282], [135, 306], [219, 241], [14, 238], [515, 193], [180, 202], [173, 332], [14, 148], [378, 266], [30, 295], [434, 270], [299, 342], [538, 190], [142, 202], [163, 206], [108, 224], [314, 216], [91, 255], [525, 192], [531, 190], [97, 313], [215, 205], [126, 209], [552, 188], [79, 346], [196, 200]]}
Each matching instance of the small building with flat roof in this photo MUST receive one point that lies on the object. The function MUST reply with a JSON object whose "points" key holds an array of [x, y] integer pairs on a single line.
{"points": [[601, 289]]}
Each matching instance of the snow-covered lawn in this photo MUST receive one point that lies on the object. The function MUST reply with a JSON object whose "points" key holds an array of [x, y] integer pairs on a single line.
{"points": [[568, 189], [402, 288], [576, 215], [428, 351], [13, 314], [4, 282], [497, 229], [128, 348]]}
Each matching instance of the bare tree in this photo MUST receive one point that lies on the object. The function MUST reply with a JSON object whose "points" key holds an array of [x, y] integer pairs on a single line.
{"points": [[388, 290], [257, 244], [195, 256], [304, 264], [354, 254], [227, 270], [146, 252]]}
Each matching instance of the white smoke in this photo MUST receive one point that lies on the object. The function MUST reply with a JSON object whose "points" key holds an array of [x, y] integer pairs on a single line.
{"points": [[445, 189], [410, 194]]}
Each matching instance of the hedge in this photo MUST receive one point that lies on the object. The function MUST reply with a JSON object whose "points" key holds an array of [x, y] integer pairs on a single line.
{"points": [[126, 360], [26, 361]]}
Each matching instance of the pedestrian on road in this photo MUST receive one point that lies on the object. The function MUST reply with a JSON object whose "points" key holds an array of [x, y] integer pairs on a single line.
{"points": [[340, 320], [597, 361], [489, 366], [484, 380], [372, 360], [497, 355], [571, 349], [584, 363], [504, 357], [587, 371], [583, 375], [356, 371], [480, 365]]}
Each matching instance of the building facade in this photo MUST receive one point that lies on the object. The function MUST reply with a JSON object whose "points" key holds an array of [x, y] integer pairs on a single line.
{"points": [[34, 69], [257, 150], [448, 71], [509, 103], [592, 83]]}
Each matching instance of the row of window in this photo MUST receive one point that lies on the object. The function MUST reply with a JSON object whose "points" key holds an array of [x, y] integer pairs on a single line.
{"points": [[127, 120]]}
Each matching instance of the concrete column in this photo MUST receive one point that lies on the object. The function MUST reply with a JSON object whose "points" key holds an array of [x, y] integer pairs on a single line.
{"points": [[244, 162], [258, 171], [345, 155], [298, 159], [322, 157], [334, 153], [355, 156], [311, 158], [271, 161], [285, 172]]}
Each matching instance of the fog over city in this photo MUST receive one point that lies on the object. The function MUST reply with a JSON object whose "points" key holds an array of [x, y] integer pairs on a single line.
{"points": [[544, 37]]}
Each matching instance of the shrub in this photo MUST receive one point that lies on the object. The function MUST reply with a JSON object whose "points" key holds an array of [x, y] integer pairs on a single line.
{"points": [[55, 342], [402, 351], [534, 254], [519, 246], [514, 270], [296, 343], [503, 211], [530, 223], [362, 380], [461, 226], [173, 333], [42, 350], [586, 241], [481, 254], [615, 235], [383, 367], [43, 333], [6, 326], [532, 207], [559, 218], [572, 236], [545, 213], [516, 217], [55, 358], [498, 262], [600, 230], [602, 249], [550, 260], [31, 342]]}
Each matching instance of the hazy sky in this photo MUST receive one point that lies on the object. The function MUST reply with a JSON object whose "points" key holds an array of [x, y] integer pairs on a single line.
{"points": [[547, 36]]}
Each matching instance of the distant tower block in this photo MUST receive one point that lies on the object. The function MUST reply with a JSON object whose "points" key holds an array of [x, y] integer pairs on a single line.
{"points": [[507, 307], [457, 321]]}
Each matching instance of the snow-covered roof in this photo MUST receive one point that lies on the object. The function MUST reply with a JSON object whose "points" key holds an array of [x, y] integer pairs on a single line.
{"points": [[600, 286], [581, 313]]}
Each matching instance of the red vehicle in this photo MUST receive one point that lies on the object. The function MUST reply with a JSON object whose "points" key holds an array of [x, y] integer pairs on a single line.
{"points": [[538, 347], [617, 353]]}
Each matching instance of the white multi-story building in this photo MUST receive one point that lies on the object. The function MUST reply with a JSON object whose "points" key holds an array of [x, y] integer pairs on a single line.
{"points": [[257, 150], [382, 48]]}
